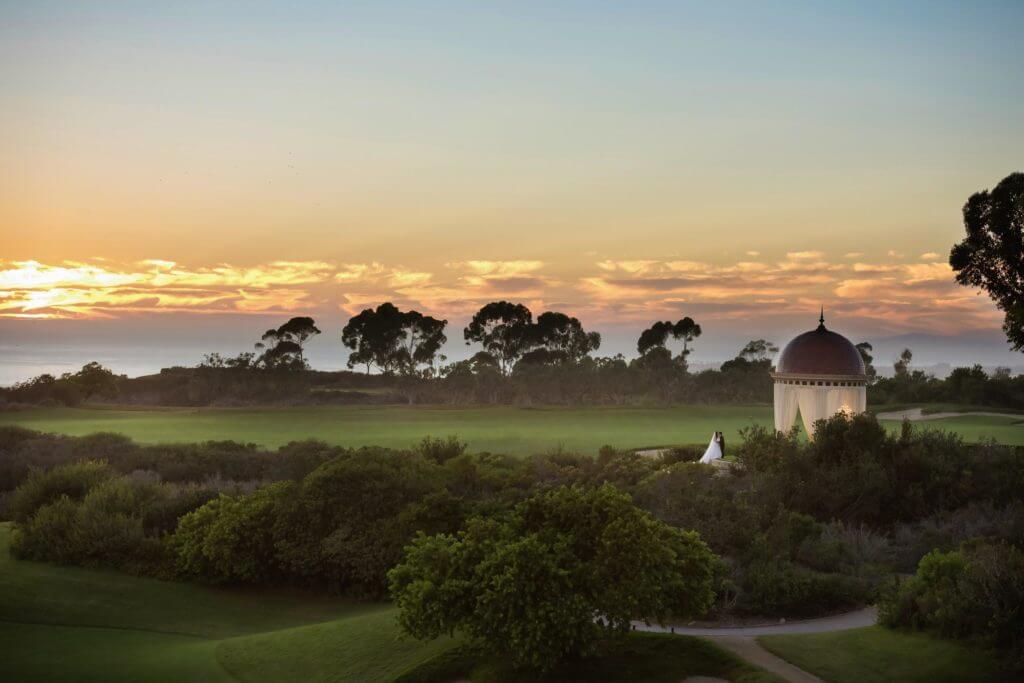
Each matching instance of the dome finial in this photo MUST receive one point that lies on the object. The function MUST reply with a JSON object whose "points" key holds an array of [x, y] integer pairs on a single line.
{"points": [[821, 320]]}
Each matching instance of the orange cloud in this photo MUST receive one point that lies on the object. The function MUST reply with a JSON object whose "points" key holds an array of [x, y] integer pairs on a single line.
{"points": [[78, 289], [918, 295]]}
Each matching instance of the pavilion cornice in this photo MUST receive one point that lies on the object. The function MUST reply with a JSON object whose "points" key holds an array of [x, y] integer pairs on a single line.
{"points": [[788, 377]]}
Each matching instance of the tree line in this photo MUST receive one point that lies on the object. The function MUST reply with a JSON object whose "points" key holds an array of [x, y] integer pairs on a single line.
{"points": [[408, 343]]}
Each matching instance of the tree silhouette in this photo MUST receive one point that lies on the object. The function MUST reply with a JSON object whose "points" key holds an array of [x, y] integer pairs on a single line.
{"points": [[392, 340], [991, 256], [657, 335], [758, 350], [283, 347], [504, 330], [561, 339], [902, 366], [865, 349]]}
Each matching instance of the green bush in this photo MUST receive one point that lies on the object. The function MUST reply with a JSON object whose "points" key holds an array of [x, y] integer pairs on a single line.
{"points": [[49, 534], [778, 587], [73, 480], [101, 530], [441, 450], [974, 593], [232, 539]]}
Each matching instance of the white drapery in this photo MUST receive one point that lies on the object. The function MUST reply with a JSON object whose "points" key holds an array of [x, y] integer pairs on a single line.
{"points": [[815, 402]]}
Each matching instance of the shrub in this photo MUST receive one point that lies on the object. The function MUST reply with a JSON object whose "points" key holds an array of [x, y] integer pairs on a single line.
{"points": [[441, 450], [101, 530], [778, 587], [73, 480], [48, 535], [232, 539], [975, 593]]}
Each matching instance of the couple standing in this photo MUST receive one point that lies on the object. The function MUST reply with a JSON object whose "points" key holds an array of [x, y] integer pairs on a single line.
{"points": [[716, 449]]}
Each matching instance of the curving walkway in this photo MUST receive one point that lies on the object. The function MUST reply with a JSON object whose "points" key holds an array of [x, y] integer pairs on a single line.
{"points": [[741, 640]]}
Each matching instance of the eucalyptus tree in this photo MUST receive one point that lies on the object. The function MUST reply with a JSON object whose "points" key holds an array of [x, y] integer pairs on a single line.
{"points": [[657, 335], [504, 330], [283, 347], [393, 340], [991, 256]]}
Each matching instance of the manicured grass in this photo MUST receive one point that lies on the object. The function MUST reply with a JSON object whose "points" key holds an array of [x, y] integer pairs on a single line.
{"points": [[880, 654], [368, 647], [34, 652], [653, 657], [50, 594], [1006, 430], [500, 429], [66, 623]]}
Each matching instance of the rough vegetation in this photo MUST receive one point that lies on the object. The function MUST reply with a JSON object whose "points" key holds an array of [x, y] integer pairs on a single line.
{"points": [[800, 528]]}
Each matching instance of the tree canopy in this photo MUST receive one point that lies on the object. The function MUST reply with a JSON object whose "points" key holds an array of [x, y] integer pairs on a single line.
{"points": [[657, 336], [601, 561], [559, 338], [509, 335], [503, 329], [991, 256], [865, 349], [393, 340], [283, 347]]}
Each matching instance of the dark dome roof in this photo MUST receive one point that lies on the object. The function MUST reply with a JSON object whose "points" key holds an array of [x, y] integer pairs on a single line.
{"points": [[820, 352]]}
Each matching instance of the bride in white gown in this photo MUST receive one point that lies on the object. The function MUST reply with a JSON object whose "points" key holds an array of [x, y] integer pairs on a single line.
{"points": [[714, 451]]}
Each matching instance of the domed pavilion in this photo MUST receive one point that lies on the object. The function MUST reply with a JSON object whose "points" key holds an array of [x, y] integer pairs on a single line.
{"points": [[819, 373]]}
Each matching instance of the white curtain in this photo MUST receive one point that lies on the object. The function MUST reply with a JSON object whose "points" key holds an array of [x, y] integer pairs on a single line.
{"points": [[815, 403], [785, 406]]}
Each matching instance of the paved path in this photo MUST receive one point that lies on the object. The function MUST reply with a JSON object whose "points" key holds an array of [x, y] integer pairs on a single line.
{"points": [[749, 649], [917, 415], [742, 639]]}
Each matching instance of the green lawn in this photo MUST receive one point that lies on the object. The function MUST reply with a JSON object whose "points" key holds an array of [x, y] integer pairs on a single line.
{"points": [[648, 657], [512, 430], [66, 623], [503, 429], [881, 655]]}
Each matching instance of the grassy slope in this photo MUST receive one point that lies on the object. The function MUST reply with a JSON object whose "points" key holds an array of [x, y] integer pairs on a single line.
{"points": [[649, 657], [66, 623], [32, 652], [880, 654], [365, 648], [500, 429], [51, 594]]}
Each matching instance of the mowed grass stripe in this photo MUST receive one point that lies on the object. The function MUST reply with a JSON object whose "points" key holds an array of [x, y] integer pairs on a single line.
{"points": [[43, 652], [499, 429], [69, 623], [880, 654], [365, 648]]}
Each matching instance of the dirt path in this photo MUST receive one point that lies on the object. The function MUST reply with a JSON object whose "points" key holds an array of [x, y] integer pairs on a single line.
{"points": [[917, 415], [741, 640]]}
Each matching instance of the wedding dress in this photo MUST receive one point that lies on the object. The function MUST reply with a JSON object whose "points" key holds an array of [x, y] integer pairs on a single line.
{"points": [[714, 451]]}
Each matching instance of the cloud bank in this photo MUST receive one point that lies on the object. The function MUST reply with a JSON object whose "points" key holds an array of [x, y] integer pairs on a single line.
{"points": [[893, 294]]}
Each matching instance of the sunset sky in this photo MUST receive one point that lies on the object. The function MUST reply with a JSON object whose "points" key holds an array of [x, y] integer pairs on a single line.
{"points": [[211, 168]]}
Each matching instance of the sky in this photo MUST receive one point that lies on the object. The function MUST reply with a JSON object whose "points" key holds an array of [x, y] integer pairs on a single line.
{"points": [[174, 175]]}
